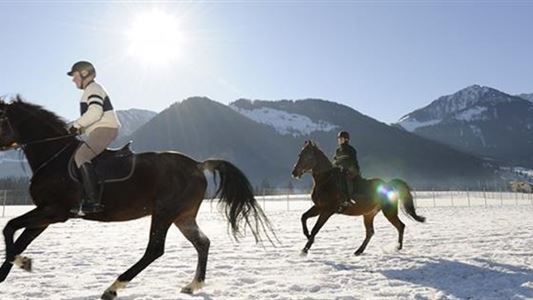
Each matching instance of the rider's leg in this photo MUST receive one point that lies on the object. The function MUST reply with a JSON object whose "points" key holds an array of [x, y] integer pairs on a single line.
{"points": [[98, 140]]}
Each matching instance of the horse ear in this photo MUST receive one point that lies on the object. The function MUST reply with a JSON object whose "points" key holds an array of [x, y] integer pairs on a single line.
{"points": [[18, 98]]}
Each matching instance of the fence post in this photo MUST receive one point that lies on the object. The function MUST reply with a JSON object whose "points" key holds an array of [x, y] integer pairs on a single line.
{"points": [[453, 205], [501, 196], [484, 193], [4, 204], [468, 195], [288, 201], [264, 201], [433, 192]]}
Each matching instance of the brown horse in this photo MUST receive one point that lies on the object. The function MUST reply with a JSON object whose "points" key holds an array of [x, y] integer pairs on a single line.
{"points": [[169, 186], [375, 195]]}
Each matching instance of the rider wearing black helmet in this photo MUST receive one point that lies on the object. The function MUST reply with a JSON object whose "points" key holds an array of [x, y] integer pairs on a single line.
{"points": [[99, 121], [346, 159]]}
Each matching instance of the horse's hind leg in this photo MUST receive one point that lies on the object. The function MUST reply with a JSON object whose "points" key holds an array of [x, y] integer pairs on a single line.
{"points": [[392, 215], [155, 249], [192, 232], [369, 226]]}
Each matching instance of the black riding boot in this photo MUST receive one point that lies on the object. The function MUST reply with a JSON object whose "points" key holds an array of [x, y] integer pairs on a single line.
{"points": [[350, 187], [91, 197]]}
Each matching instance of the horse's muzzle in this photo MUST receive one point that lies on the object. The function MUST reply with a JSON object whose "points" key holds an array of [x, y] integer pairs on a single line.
{"points": [[296, 174]]}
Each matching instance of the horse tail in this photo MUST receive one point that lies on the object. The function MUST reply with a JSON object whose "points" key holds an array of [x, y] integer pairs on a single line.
{"points": [[237, 200], [405, 196]]}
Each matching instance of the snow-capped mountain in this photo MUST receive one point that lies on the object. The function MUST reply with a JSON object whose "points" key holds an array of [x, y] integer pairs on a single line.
{"points": [[132, 119], [384, 151], [470, 104], [479, 120], [528, 97], [283, 122]]}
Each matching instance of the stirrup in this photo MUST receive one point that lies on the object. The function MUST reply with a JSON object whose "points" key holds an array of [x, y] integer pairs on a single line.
{"points": [[77, 211], [91, 208], [342, 206]]}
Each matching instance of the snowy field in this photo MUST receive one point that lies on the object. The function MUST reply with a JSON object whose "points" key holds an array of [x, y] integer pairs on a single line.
{"points": [[484, 251]]}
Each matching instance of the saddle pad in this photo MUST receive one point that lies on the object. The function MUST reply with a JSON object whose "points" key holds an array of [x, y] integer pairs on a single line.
{"points": [[110, 165]]}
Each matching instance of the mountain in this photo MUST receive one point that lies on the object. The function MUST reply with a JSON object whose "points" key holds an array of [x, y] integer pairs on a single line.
{"points": [[478, 120], [528, 97], [132, 119], [264, 138], [202, 129]]}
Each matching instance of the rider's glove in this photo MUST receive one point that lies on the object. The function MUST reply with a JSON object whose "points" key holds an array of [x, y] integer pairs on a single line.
{"points": [[74, 130]]}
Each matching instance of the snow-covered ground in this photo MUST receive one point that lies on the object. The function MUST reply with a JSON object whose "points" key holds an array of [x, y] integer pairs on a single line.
{"points": [[477, 252]]}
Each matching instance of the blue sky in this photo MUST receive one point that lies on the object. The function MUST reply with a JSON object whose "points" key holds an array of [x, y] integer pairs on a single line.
{"points": [[384, 59]]}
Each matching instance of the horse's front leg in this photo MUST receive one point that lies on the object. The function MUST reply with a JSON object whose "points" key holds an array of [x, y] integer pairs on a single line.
{"points": [[22, 242], [322, 219], [312, 212], [36, 222], [11, 227]]}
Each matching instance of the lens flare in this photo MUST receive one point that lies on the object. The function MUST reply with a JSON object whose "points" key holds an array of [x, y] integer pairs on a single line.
{"points": [[388, 193]]}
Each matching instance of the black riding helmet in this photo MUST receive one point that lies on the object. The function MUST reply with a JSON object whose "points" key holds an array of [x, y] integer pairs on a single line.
{"points": [[82, 66], [343, 134]]}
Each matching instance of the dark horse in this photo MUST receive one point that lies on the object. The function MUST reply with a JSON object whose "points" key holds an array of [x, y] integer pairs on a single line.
{"points": [[169, 186], [375, 195]]}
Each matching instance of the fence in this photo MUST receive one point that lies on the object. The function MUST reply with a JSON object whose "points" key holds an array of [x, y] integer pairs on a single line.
{"points": [[301, 202]]}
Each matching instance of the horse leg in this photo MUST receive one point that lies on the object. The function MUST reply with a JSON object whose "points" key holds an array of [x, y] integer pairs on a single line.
{"points": [[37, 219], [392, 216], [322, 219], [22, 242], [312, 212], [369, 226], [11, 227], [192, 232], [155, 249]]}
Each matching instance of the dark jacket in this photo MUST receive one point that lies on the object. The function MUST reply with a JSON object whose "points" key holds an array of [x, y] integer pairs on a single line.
{"points": [[346, 158]]}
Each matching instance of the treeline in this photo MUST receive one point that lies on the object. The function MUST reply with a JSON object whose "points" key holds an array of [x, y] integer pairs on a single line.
{"points": [[14, 190]]}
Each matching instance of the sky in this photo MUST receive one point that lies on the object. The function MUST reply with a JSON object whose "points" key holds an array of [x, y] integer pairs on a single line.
{"points": [[382, 58]]}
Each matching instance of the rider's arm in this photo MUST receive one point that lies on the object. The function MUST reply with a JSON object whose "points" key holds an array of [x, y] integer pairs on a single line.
{"points": [[95, 110]]}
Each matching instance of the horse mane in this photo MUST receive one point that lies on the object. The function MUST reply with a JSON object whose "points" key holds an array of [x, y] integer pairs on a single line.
{"points": [[43, 115]]}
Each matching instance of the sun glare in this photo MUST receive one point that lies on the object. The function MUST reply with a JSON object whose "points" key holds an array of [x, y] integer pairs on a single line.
{"points": [[155, 38]]}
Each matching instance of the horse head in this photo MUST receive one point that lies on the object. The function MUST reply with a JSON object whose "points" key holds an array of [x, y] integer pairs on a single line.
{"points": [[307, 159], [8, 137]]}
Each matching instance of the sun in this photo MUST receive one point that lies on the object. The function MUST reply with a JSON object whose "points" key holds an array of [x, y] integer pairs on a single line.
{"points": [[155, 38]]}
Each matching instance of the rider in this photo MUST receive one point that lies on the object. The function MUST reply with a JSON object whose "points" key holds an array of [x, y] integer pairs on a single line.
{"points": [[346, 159], [99, 121]]}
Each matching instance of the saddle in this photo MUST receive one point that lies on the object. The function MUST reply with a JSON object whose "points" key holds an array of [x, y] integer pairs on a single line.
{"points": [[344, 179], [112, 165]]}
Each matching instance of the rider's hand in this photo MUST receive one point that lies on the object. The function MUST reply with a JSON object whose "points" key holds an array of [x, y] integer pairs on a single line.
{"points": [[74, 130]]}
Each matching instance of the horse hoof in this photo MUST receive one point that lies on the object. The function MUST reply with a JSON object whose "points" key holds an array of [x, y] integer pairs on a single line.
{"points": [[357, 253], [193, 286], [109, 295], [23, 262], [304, 252]]}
